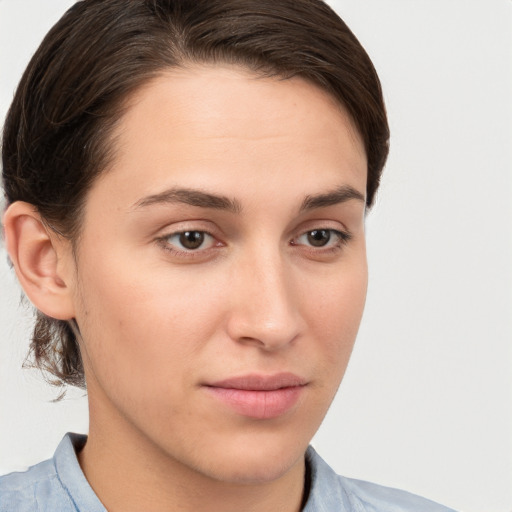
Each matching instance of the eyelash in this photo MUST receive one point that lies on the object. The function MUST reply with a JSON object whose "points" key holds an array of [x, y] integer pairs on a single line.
{"points": [[186, 253], [341, 239]]}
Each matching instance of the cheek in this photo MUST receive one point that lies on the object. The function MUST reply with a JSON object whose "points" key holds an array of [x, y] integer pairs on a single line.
{"points": [[335, 314], [143, 325]]}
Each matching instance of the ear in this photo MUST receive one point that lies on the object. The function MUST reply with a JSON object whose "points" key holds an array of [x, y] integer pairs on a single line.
{"points": [[42, 260]]}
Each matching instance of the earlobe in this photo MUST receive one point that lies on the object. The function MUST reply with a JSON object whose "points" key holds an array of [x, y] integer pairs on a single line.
{"points": [[39, 258]]}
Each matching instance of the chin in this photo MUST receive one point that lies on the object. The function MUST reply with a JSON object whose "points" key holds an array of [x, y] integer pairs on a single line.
{"points": [[255, 463]]}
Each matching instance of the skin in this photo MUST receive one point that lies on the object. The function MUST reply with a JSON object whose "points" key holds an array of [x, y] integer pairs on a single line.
{"points": [[159, 322]]}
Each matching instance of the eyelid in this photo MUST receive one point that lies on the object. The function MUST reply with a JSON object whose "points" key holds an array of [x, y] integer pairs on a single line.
{"points": [[342, 237], [181, 232], [334, 224], [203, 225], [182, 253]]}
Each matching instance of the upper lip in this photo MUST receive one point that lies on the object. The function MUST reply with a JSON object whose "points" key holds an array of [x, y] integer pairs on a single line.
{"points": [[257, 382]]}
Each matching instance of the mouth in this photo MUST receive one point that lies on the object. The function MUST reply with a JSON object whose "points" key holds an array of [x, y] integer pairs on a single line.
{"points": [[259, 396]]}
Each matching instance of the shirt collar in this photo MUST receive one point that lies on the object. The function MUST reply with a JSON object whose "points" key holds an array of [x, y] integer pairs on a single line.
{"points": [[71, 476], [325, 492]]}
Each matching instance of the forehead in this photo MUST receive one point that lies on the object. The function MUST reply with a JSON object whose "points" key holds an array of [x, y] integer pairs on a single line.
{"points": [[236, 101], [225, 125]]}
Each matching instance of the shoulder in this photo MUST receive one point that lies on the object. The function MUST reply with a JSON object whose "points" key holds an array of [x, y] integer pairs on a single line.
{"points": [[331, 493], [38, 488], [47, 486], [373, 497]]}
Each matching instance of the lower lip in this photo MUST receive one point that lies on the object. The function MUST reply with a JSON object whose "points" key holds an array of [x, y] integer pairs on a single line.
{"points": [[258, 404]]}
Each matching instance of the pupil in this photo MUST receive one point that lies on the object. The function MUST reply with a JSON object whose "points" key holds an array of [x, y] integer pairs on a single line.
{"points": [[192, 239], [319, 237]]}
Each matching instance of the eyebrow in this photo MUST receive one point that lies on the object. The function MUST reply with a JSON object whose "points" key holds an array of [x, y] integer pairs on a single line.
{"points": [[340, 195], [201, 199], [191, 197]]}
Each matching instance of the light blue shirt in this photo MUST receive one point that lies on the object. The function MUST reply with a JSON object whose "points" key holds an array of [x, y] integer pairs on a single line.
{"points": [[58, 485]]}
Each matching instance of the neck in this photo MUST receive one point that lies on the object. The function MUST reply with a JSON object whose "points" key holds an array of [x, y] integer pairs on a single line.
{"points": [[130, 473]]}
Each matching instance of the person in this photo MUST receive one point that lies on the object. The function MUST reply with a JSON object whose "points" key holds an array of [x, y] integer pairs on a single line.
{"points": [[186, 187]]}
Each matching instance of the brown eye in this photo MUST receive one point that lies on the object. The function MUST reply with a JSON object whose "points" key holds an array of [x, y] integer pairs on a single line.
{"points": [[322, 239], [319, 237], [191, 239], [188, 243]]}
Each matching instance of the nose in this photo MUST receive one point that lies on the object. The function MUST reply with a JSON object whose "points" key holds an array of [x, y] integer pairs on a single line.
{"points": [[264, 310]]}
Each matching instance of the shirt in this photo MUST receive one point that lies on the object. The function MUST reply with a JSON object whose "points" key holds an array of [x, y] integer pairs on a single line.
{"points": [[58, 485]]}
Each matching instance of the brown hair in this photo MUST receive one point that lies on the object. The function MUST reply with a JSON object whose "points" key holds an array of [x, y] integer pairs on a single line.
{"points": [[56, 136]]}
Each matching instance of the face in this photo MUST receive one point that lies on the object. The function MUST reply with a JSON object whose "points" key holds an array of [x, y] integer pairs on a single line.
{"points": [[221, 273]]}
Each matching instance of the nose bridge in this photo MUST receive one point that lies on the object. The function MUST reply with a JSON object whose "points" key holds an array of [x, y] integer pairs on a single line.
{"points": [[265, 306]]}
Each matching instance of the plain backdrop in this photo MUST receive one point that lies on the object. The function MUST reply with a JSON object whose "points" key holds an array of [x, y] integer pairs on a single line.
{"points": [[426, 402]]}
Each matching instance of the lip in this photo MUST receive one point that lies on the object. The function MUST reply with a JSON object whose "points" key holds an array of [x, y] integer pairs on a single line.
{"points": [[259, 396]]}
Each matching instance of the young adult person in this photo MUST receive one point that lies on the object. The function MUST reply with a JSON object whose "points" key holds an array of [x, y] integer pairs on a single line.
{"points": [[187, 183]]}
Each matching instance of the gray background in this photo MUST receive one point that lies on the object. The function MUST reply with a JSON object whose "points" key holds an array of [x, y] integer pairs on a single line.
{"points": [[426, 402]]}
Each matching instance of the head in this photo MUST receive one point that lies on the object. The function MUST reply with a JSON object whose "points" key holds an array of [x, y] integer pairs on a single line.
{"points": [[195, 175]]}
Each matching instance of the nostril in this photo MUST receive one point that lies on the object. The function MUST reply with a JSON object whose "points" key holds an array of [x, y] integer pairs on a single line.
{"points": [[265, 335]]}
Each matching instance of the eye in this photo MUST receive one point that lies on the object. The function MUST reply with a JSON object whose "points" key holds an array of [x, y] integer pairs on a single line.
{"points": [[327, 238], [190, 240], [318, 237]]}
